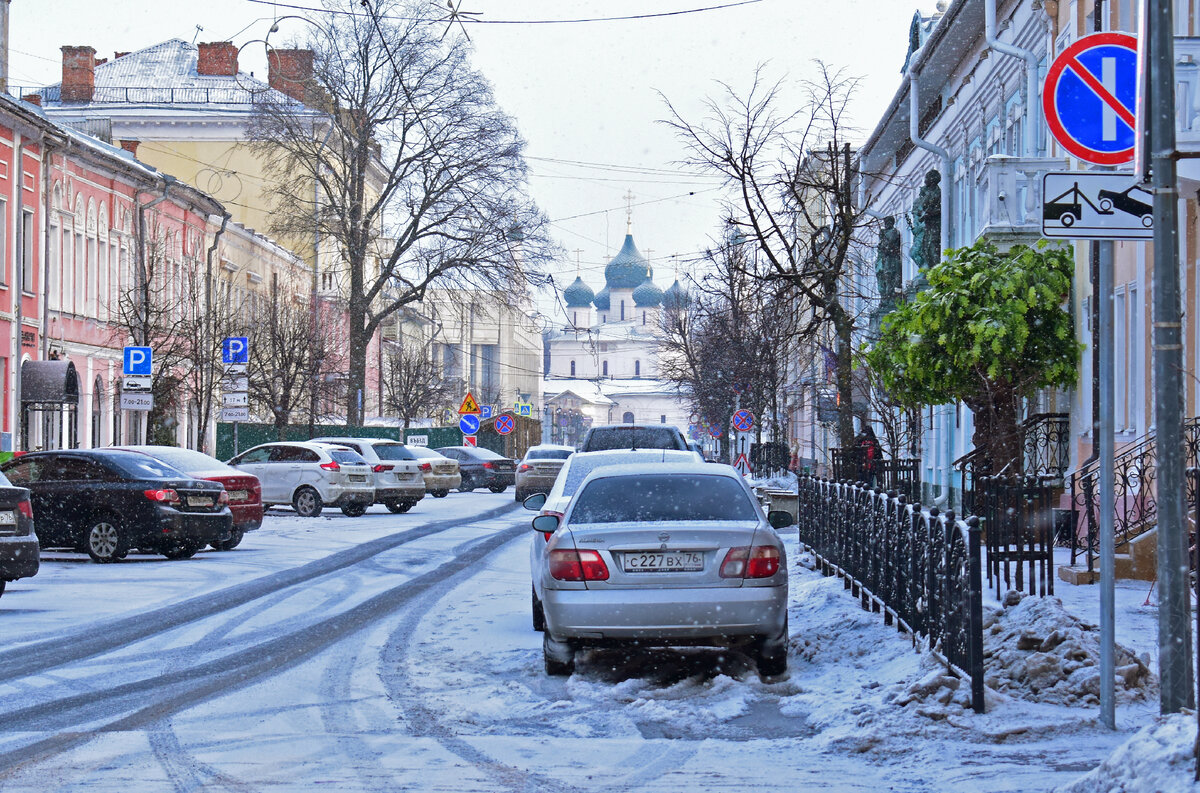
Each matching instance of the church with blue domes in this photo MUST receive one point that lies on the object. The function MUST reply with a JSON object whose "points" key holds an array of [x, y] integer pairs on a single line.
{"points": [[602, 361]]}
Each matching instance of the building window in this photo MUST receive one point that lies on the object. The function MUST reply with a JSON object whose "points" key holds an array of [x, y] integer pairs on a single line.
{"points": [[662, 419], [97, 399], [572, 368], [604, 371], [27, 241], [3, 241], [622, 310], [627, 417], [575, 318], [643, 317], [637, 368]]}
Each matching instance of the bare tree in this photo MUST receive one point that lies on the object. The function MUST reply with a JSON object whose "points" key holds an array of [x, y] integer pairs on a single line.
{"points": [[402, 161], [791, 177], [413, 385]]}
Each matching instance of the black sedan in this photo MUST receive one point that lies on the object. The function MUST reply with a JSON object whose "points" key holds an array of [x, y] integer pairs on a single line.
{"points": [[481, 468], [19, 553], [109, 502]]}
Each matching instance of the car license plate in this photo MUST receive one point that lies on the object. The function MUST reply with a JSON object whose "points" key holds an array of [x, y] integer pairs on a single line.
{"points": [[8, 517], [238, 495], [357, 478], [664, 562], [199, 501]]}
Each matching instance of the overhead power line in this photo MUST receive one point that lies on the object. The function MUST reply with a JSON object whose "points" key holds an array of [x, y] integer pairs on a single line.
{"points": [[473, 21]]}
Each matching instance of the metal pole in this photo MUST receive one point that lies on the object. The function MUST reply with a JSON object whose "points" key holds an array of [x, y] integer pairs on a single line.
{"points": [[1104, 299], [1174, 600]]}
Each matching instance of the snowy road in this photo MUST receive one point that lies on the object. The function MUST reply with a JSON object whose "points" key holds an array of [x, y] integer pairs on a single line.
{"points": [[394, 652]]}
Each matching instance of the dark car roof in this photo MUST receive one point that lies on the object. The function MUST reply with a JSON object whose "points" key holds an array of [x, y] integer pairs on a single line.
{"points": [[478, 452]]}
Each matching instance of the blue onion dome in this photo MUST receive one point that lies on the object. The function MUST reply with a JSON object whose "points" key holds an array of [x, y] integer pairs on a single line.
{"points": [[676, 297], [578, 294], [628, 269], [601, 301], [648, 295]]}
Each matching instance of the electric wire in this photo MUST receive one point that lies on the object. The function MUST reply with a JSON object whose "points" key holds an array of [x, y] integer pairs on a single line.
{"points": [[472, 21]]}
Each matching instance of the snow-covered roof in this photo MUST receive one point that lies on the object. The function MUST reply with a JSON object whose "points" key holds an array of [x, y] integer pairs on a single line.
{"points": [[605, 391]]}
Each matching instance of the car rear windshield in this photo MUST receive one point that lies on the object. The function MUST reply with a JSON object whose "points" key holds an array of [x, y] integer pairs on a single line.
{"points": [[426, 452], [547, 454], [346, 456], [655, 498], [633, 438], [141, 466], [479, 453], [393, 451], [185, 459]]}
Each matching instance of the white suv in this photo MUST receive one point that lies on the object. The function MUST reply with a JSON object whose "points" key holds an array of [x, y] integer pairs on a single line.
{"points": [[399, 483], [310, 475]]}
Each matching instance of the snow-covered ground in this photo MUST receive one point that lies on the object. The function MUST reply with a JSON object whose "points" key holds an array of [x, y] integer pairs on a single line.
{"points": [[418, 669]]}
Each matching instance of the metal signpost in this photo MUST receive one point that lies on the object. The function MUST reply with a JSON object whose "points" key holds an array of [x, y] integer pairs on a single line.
{"points": [[235, 383], [1090, 100]]}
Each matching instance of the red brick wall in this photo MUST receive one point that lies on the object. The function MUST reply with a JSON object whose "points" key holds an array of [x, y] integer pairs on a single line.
{"points": [[290, 72], [219, 58], [78, 74]]}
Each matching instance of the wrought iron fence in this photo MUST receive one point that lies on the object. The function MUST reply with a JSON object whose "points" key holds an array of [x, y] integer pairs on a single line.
{"points": [[920, 568], [1017, 518], [148, 95], [899, 474], [1135, 479], [1045, 456]]}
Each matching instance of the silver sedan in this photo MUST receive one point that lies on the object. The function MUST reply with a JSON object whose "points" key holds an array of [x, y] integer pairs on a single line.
{"points": [[663, 556]]}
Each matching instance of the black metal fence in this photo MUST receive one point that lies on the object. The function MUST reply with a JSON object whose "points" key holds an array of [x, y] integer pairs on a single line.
{"points": [[1017, 518], [920, 568], [1045, 457], [899, 474]]}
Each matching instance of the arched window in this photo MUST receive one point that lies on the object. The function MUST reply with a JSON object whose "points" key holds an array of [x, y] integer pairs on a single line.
{"points": [[637, 368], [97, 401], [575, 318], [117, 437], [604, 371], [627, 417], [643, 317], [622, 310], [572, 368]]}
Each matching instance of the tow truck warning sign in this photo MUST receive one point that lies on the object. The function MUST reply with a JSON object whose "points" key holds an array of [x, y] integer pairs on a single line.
{"points": [[1096, 205]]}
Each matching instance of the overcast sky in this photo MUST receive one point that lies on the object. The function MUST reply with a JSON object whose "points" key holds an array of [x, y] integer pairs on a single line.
{"points": [[585, 95]]}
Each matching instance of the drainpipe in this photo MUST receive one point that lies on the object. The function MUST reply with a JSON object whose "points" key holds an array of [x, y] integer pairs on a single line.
{"points": [[1032, 116], [19, 282], [914, 118], [202, 432]]}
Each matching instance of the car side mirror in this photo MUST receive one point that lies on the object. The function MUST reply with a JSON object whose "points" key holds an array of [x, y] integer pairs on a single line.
{"points": [[547, 524], [780, 519], [535, 502]]}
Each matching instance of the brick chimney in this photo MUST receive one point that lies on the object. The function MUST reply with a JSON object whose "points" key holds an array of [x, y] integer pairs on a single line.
{"points": [[130, 146], [33, 99], [120, 54], [78, 74], [218, 59], [290, 72]]}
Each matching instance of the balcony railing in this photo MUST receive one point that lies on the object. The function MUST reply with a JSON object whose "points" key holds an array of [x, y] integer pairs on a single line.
{"points": [[1009, 196]]}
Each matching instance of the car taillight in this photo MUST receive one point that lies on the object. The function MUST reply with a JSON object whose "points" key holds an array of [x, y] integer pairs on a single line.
{"points": [[380, 468], [25, 508], [489, 465], [525, 467], [568, 564], [761, 561], [222, 497], [166, 495], [426, 467], [331, 466]]}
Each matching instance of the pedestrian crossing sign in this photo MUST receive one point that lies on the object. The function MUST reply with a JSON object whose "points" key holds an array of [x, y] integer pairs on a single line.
{"points": [[469, 405]]}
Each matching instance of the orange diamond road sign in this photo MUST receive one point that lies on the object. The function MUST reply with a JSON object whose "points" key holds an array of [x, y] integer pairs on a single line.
{"points": [[469, 405]]}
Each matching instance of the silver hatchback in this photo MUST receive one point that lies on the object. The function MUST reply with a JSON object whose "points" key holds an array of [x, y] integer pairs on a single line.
{"points": [[663, 556]]}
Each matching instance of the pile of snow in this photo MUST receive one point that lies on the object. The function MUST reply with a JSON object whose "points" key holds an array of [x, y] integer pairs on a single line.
{"points": [[784, 481], [1157, 758], [1035, 651]]}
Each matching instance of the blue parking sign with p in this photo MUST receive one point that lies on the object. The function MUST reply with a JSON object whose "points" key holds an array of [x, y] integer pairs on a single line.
{"points": [[235, 349], [137, 361]]}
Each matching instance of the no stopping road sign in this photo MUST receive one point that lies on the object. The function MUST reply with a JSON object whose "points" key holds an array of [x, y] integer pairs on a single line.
{"points": [[1089, 98]]}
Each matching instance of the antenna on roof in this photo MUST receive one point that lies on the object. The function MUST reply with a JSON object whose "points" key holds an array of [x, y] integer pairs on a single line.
{"points": [[199, 30]]}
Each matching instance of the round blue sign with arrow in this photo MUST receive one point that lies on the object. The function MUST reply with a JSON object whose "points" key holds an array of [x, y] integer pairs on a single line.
{"points": [[468, 423], [1090, 98]]}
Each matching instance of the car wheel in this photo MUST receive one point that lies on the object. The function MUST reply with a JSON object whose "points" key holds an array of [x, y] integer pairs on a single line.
{"points": [[771, 654], [235, 539], [439, 493], [307, 502], [517, 495], [498, 488], [105, 541], [2, 583], [466, 486], [539, 615], [183, 550], [354, 510], [398, 505], [559, 656]]}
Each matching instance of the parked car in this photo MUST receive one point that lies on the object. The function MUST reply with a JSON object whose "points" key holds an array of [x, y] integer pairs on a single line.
{"points": [[633, 436], [399, 483], [108, 502], [310, 475], [243, 489], [19, 552], [663, 556], [441, 473], [574, 470], [481, 468], [539, 468]]}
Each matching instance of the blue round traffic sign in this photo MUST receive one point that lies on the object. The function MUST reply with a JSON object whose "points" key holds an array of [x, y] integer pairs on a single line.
{"points": [[504, 425], [743, 420], [468, 423], [1090, 98]]}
